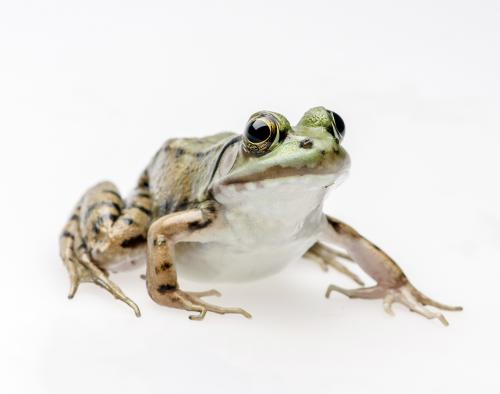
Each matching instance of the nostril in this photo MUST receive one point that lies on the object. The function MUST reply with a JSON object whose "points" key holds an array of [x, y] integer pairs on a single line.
{"points": [[306, 143]]}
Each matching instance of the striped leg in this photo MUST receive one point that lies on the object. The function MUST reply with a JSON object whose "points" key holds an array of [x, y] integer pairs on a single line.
{"points": [[161, 274], [102, 231]]}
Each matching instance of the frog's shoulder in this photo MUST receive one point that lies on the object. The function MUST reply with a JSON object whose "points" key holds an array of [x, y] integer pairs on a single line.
{"points": [[181, 170]]}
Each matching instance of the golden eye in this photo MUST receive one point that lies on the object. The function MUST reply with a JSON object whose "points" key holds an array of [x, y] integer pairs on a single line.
{"points": [[260, 134]]}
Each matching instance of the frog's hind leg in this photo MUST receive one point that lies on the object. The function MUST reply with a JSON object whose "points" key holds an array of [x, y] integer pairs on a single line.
{"points": [[392, 284], [103, 230], [69, 236], [329, 258]]}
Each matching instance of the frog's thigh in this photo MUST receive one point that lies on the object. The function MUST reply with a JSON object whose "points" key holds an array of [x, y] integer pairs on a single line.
{"points": [[101, 230], [392, 284], [161, 274], [110, 226]]}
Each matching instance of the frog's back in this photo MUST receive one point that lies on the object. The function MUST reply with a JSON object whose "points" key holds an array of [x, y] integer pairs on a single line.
{"points": [[181, 170]]}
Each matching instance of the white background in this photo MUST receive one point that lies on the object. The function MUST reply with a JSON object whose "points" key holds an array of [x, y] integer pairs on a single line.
{"points": [[89, 90]]}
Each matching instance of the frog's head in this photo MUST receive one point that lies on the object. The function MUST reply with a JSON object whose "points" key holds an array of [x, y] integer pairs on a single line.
{"points": [[272, 153]]}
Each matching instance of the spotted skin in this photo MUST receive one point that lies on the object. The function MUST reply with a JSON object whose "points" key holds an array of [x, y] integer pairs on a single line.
{"points": [[196, 160]]}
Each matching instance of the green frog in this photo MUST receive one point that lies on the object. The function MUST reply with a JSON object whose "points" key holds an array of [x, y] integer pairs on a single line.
{"points": [[232, 207]]}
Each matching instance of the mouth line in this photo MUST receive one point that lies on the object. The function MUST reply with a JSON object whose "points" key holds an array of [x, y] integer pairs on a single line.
{"points": [[275, 173]]}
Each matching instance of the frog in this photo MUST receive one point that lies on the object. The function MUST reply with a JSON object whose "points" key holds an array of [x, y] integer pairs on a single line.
{"points": [[232, 207]]}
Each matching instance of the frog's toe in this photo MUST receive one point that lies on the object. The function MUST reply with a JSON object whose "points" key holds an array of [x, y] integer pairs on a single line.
{"points": [[208, 293], [192, 301], [74, 279], [406, 295], [87, 272], [223, 310], [100, 278], [362, 292], [205, 307]]}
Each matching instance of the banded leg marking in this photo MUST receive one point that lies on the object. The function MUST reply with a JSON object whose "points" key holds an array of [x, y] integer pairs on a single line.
{"points": [[161, 274], [103, 229]]}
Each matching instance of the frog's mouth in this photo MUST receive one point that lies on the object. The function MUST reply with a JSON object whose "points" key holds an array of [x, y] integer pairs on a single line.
{"points": [[276, 174], [297, 174], [280, 180], [326, 173]]}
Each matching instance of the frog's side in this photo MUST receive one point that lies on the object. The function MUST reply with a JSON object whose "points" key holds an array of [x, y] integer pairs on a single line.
{"points": [[231, 208]]}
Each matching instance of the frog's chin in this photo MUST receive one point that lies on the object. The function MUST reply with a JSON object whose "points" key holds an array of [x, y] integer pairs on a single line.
{"points": [[281, 187]]}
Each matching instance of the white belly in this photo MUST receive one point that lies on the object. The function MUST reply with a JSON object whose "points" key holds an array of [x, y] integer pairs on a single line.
{"points": [[216, 262], [262, 232]]}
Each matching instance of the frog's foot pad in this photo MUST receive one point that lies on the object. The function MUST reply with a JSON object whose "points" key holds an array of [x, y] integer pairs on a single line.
{"points": [[87, 271], [192, 301], [406, 294]]}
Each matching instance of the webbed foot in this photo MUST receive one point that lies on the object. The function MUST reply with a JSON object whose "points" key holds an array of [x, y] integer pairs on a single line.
{"points": [[405, 294]]}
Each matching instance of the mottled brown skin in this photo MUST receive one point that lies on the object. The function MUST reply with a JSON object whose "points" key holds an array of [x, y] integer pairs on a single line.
{"points": [[195, 159], [104, 229]]}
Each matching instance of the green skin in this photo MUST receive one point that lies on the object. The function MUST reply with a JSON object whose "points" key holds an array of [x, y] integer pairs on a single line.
{"points": [[229, 203], [313, 125], [325, 157]]}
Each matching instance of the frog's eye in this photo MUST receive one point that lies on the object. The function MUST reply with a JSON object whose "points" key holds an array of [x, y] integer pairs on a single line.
{"points": [[338, 125], [261, 133]]}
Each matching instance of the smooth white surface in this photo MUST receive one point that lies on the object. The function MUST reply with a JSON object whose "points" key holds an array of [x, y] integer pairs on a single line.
{"points": [[89, 90]]}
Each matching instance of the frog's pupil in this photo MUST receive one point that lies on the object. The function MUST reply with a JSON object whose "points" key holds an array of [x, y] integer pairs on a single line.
{"points": [[339, 123], [257, 131]]}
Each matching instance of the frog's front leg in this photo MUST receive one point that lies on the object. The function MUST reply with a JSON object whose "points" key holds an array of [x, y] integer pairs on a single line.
{"points": [[392, 284], [161, 274]]}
